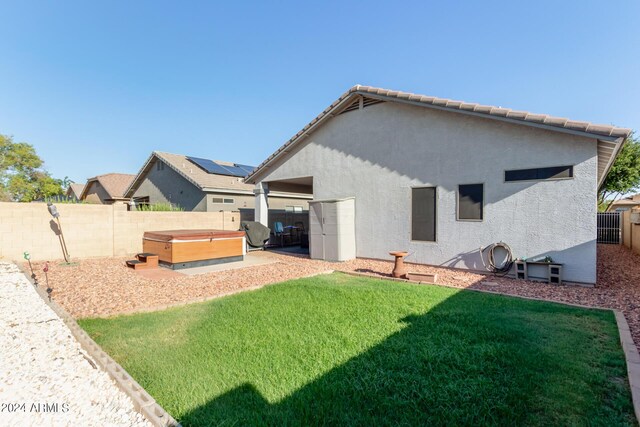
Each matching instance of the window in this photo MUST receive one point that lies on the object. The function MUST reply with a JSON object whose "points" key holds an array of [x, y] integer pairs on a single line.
{"points": [[423, 214], [141, 202], [293, 208], [537, 174], [159, 165], [470, 202], [222, 200]]}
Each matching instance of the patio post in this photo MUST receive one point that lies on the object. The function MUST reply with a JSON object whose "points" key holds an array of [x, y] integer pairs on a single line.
{"points": [[262, 203]]}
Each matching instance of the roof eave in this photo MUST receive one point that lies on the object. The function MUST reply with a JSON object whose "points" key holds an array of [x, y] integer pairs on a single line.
{"points": [[86, 187], [494, 117], [328, 113], [355, 91], [143, 171], [619, 144]]}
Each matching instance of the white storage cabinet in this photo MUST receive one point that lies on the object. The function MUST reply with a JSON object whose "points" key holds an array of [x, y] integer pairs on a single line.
{"points": [[332, 229]]}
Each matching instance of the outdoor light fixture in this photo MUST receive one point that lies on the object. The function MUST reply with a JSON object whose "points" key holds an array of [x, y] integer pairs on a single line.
{"points": [[53, 210], [27, 256], [54, 213]]}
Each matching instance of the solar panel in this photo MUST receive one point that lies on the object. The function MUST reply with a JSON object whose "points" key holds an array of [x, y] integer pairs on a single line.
{"points": [[247, 169], [236, 171], [210, 166]]}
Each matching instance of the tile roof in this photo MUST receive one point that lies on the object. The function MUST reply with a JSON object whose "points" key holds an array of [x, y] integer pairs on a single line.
{"points": [[76, 189], [115, 184], [201, 178], [192, 173], [489, 110], [598, 131]]}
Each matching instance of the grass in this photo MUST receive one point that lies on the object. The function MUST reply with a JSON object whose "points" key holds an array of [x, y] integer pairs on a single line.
{"points": [[339, 350]]}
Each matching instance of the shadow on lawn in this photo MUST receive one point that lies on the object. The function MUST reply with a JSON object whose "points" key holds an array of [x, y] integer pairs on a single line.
{"points": [[435, 372]]}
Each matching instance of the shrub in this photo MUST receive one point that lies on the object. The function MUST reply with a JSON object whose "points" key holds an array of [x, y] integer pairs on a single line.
{"points": [[160, 207]]}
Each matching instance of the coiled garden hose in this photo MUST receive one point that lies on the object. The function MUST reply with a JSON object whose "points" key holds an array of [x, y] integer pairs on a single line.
{"points": [[501, 270]]}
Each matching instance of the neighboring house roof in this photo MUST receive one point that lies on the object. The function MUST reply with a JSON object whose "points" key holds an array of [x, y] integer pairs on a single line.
{"points": [[75, 189], [191, 172], [610, 138], [115, 184], [626, 202], [630, 201]]}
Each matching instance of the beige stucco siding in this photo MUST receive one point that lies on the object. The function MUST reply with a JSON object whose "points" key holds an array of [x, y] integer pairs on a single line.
{"points": [[379, 153], [96, 194]]}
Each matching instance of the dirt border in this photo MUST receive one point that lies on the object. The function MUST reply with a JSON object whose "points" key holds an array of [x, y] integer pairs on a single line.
{"points": [[202, 299], [142, 401], [631, 354]]}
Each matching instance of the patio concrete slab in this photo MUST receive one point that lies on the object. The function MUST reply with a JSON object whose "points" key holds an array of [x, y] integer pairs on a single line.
{"points": [[158, 273], [250, 260]]}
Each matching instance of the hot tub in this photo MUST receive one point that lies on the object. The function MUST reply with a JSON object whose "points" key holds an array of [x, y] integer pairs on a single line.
{"points": [[194, 248]]}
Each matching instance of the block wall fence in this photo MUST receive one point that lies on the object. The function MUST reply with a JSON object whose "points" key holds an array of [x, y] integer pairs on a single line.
{"points": [[92, 230], [630, 233]]}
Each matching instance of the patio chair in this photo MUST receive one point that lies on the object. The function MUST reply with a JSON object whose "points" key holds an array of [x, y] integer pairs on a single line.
{"points": [[278, 232]]}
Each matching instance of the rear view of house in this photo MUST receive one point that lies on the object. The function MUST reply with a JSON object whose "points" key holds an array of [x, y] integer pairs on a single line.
{"points": [[441, 178]]}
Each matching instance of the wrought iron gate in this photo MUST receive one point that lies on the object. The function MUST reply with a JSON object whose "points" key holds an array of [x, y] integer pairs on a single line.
{"points": [[609, 227]]}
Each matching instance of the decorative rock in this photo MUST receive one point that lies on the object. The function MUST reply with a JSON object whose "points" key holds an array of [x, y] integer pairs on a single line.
{"points": [[42, 366]]}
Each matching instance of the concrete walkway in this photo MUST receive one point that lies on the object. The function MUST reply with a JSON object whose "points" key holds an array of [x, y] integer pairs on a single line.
{"points": [[46, 378]]}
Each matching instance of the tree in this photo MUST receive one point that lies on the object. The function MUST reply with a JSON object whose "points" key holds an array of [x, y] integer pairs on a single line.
{"points": [[624, 175], [22, 178]]}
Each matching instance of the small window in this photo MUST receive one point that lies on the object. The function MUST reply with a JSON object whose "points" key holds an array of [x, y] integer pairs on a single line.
{"points": [[470, 202], [141, 202], [159, 165], [222, 200], [423, 214], [539, 174]]}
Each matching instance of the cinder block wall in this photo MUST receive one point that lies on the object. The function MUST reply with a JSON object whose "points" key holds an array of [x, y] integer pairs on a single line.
{"points": [[92, 230], [129, 227], [630, 233]]}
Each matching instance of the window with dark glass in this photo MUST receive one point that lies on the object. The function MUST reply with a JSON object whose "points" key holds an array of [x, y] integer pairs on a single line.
{"points": [[536, 174], [423, 214], [470, 202]]}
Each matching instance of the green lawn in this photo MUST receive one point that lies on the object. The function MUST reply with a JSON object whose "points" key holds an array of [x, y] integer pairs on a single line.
{"points": [[339, 350]]}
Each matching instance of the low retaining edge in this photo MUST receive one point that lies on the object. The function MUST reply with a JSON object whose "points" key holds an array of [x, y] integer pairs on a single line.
{"points": [[143, 402]]}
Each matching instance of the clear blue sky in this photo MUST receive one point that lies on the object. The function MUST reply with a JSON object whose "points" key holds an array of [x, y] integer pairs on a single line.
{"points": [[96, 86]]}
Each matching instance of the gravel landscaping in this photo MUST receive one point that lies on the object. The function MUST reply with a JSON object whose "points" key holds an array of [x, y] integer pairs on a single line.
{"points": [[46, 378], [105, 287]]}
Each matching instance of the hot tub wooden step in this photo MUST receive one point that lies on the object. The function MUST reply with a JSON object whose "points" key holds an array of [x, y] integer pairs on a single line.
{"points": [[145, 256], [144, 261]]}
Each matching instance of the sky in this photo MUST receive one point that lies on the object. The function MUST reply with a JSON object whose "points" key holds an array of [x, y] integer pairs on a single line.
{"points": [[97, 86]]}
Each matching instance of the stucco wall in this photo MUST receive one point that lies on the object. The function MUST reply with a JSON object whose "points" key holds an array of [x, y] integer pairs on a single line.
{"points": [[630, 232], [92, 230], [96, 194], [168, 186], [378, 153], [626, 229], [248, 202]]}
